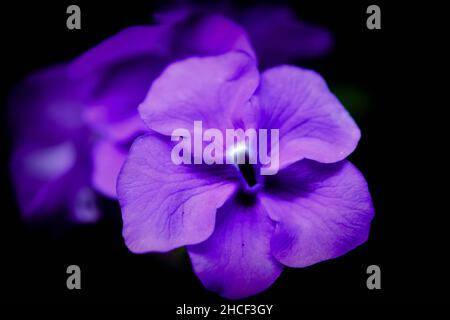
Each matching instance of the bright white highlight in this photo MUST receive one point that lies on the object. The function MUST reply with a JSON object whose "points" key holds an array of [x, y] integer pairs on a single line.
{"points": [[208, 147]]}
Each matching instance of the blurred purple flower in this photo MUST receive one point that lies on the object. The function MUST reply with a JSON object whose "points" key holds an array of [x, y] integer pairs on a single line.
{"points": [[239, 236], [51, 165], [279, 37], [275, 32], [72, 124]]}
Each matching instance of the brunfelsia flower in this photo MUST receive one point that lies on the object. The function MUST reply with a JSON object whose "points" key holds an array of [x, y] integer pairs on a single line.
{"points": [[72, 124], [240, 235]]}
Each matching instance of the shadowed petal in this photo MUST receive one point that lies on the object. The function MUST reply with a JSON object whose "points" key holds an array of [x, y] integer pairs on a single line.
{"points": [[207, 89], [122, 68], [279, 37], [49, 178], [322, 211], [119, 90], [44, 107], [208, 35], [312, 122], [235, 261], [165, 206], [39, 173], [108, 155], [128, 44], [50, 160]]}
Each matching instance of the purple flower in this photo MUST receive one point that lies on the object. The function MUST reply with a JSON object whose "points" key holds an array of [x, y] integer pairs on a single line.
{"points": [[72, 124], [240, 235], [127, 64]]}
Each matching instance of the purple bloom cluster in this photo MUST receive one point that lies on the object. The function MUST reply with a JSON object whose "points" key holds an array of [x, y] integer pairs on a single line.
{"points": [[74, 124]]}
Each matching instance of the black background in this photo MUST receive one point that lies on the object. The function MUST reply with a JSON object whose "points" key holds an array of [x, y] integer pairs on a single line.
{"points": [[407, 238]]}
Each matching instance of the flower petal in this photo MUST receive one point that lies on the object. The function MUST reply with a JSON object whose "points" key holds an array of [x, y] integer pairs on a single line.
{"points": [[235, 261], [312, 122], [322, 211], [289, 37], [130, 43], [119, 89], [38, 174], [45, 107], [208, 35], [165, 206], [200, 89], [108, 159], [50, 158]]}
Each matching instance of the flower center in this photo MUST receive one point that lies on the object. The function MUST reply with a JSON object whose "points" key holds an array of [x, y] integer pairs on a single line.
{"points": [[241, 159], [248, 172]]}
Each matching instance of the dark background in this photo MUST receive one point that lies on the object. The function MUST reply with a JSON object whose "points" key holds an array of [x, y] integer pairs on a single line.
{"points": [[407, 238]]}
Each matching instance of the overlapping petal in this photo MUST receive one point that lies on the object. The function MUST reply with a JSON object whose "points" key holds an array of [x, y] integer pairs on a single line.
{"points": [[165, 206], [108, 159], [116, 96], [210, 90], [122, 68]]}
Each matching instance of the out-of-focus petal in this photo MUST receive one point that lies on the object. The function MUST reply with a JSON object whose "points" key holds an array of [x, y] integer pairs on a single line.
{"points": [[109, 152], [165, 206], [279, 37], [46, 108], [49, 164], [119, 91], [108, 159], [235, 261], [82, 204], [173, 14], [208, 35], [131, 43], [38, 174], [322, 211]]}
